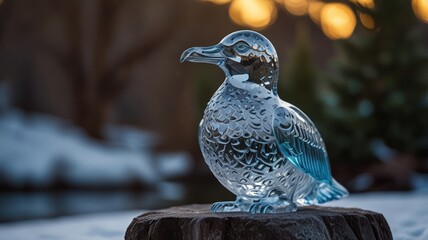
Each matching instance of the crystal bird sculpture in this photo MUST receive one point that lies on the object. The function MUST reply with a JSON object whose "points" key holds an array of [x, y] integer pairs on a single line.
{"points": [[261, 148]]}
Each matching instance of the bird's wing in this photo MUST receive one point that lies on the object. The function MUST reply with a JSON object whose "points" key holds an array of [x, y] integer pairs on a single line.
{"points": [[300, 141]]}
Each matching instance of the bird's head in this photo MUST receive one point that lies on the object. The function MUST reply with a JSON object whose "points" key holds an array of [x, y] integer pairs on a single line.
{"points": [[239, 53]]}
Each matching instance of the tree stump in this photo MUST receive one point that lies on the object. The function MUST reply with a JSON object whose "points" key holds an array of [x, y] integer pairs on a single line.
{"points": [[197, 222]]}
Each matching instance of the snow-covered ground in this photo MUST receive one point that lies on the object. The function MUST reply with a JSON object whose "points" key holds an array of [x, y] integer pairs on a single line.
{"points": [[39, 151], [86, 227], [406, 213]]}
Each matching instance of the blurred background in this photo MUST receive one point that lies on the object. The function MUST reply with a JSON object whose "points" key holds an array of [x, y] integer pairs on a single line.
{"points": [[97, 114]]}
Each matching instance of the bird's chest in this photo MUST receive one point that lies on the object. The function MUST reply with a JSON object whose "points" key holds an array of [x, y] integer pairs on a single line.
{"points": [[236, 131], [236, 113]]}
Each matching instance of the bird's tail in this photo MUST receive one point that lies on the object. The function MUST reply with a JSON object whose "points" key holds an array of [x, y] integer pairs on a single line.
{"points": [[329, 192], [324, 193]]}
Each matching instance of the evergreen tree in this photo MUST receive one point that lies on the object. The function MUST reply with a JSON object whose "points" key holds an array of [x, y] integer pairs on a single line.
{"points": [[379, 90]]}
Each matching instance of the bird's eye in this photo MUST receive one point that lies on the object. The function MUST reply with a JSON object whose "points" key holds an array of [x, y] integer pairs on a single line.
{"points": [[241, 47]]}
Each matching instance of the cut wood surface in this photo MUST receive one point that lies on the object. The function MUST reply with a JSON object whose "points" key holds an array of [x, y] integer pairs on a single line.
{"points": [[197, 222]]}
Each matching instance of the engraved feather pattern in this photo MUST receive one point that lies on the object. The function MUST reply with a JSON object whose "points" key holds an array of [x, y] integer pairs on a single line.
{"points": [[300, 141], [264, 150], [238, 144]]}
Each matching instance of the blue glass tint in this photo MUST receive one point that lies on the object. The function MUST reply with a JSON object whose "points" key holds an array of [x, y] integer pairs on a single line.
{"points": [[261, 148]]}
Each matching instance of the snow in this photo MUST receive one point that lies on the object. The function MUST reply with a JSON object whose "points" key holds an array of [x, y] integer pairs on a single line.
{"points": [[174, 164], [86, 227], [406, 213], [38, 150]]}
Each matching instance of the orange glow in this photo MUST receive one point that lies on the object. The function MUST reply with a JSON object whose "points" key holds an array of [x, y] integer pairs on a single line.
{"points": [[420, 7], [366, 20], [314, 10], [219, 2], [337, 20], [256, 14], [296, 7], [365, 3]]}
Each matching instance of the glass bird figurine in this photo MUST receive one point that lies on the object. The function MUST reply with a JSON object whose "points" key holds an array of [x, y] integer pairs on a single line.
{"points": [[261, 148]]}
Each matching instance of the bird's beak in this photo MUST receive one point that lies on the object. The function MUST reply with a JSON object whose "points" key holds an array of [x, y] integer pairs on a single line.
{"points": [[212, 55]]}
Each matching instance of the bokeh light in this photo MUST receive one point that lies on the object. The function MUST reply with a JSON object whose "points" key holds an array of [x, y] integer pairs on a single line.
{"points": [[337, 20], [296, 7], [366, 20], [420, 7], [219, 2], [314, 10], [365, 3], [256, 14]]}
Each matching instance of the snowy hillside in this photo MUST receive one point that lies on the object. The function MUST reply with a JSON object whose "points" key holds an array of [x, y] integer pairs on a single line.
{"points": [[38, 151]]}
